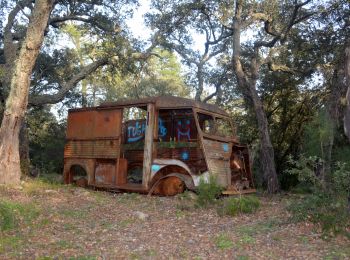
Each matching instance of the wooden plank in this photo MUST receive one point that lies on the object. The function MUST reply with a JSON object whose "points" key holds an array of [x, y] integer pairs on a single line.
{"points": [[147, 156]]}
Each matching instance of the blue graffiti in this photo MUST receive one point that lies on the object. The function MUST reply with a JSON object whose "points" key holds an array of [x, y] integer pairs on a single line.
{"points": [[162, 131], [185, 155], [155, 167], [183, 130], [136, 132], [225, 147]]}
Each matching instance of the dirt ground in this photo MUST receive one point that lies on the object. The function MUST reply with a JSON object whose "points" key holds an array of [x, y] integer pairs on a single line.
{"points": [[73, 223]]}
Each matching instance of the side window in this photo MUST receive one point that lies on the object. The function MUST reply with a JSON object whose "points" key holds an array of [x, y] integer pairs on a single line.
{"points": [[134, 122], [176, 125], [164, 125], [224, 127], [206, 123]]}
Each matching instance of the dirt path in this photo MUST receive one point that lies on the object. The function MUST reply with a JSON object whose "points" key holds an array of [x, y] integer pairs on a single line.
{"points": [[72, 223]]}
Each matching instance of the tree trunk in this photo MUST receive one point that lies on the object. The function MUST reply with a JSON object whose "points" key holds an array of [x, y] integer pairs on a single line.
{"points": [[24, 149], [83, 93], [247, 84], [17, 100], [267, 156], [347, 82], [200, 86]]}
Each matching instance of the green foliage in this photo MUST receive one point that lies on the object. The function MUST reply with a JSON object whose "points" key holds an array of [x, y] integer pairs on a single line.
{"points": [[327, 205], [208, 192], [12, 213], [46, 141], [238, 205], [304, 170], [318, 134], [329, 212], [223, 241]]}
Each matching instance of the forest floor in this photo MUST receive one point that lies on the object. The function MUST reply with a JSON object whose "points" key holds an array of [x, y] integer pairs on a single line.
{"points": [[64, 222]]}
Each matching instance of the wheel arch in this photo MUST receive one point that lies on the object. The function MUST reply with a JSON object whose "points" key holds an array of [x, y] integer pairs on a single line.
{"points": [[87, 164]]}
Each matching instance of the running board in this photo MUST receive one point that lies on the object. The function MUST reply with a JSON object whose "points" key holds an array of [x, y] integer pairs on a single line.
{"points": [[235, 192]]}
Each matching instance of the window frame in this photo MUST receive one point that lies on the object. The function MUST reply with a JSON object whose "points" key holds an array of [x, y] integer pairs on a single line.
{"points": [[215, 136]]}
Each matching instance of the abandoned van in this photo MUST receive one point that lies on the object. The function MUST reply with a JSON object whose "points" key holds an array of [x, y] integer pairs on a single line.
{"points": [[159, 145]]}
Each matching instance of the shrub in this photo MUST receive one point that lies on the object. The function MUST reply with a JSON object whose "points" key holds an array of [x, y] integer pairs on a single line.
{"points": [[208, 192], [327, 204], [328, 212], [237, 205]]}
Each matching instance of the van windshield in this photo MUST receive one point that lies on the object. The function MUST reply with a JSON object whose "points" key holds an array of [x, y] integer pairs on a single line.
{"points": [[218, 126]]}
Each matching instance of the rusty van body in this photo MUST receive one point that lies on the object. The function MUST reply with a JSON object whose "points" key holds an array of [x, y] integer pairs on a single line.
{"points": [[159, 145]]}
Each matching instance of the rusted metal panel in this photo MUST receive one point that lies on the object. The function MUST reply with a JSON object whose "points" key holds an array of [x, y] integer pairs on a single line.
{"points": [[105, 172], [218, 159], [107, 123], [103, 148], [89, 124], [81, 125]]}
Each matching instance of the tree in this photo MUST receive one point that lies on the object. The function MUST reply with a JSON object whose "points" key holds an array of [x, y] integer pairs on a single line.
{"points": [[347, 78], [177, 24], [18, 98], [160, 74], [220, 26], [21, 44], [247, 72]]}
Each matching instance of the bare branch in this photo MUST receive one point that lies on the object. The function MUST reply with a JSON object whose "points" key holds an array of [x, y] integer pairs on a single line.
{"points": [[9, 48], [206, 99], [69, 85], [282, 35], [56, 21]]}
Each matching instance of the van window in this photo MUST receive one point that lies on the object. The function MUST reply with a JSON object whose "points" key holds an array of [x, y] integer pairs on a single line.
{"points": [[134, 121], [223, 127], [176, 125], [206, 123]]}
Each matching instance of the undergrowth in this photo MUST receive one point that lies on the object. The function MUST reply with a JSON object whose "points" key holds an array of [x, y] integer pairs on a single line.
{"points": [[208, 192], [42, 183], [237, 205], [327, 203], [12, 213]]}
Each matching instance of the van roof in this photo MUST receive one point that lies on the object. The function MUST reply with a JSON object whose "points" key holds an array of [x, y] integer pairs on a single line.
{"points": [[166, 102]]}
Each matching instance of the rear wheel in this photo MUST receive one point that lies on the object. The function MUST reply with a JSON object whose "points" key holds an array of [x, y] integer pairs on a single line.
{"points": [[169, 186]]}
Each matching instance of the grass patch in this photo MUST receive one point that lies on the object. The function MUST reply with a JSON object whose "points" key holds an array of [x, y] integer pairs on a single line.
{"points": [[74, 213], [223, 241], [125, 223], [338, 253], [128, 197], [10, 243], [151, 253], [207, 193], [242, 257], [39, 185], [83, 258], [246, 240], [180, 214], [100, 196], [259, 228], [134, 256], [238, 205], [62, 244], [12, 213]]}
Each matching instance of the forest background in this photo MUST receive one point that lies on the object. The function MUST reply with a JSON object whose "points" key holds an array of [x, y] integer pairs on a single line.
{"points": [[280, 68]]}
